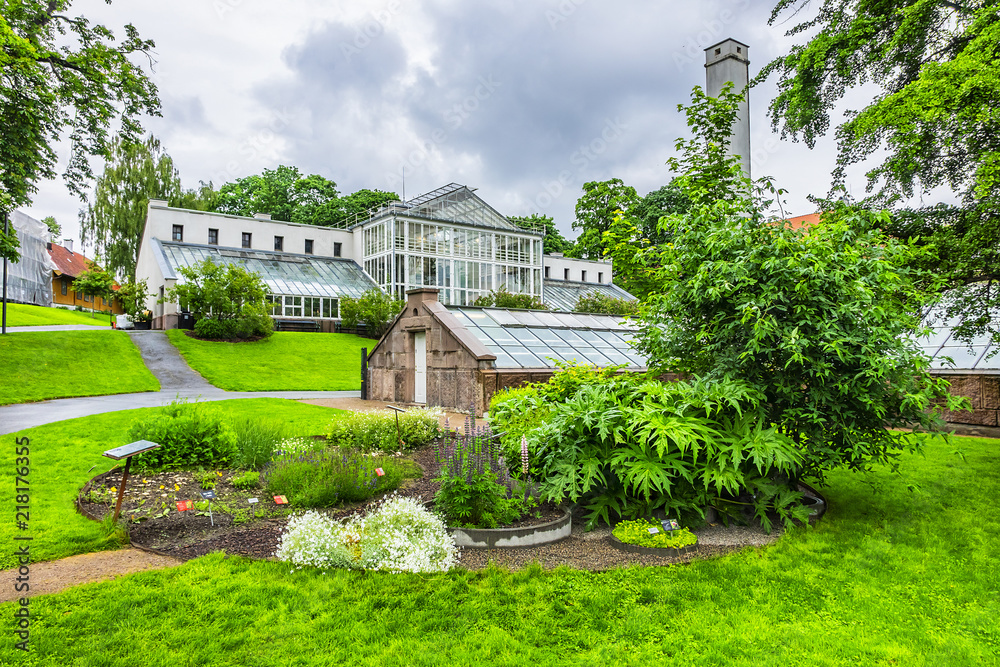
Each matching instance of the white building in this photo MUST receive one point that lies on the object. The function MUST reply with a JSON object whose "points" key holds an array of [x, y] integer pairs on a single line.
{"points": [[449, 239]]}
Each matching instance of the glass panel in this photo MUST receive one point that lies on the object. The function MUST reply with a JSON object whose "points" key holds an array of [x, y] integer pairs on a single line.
{"points": [[548, 336], [962, 357], [571, 338], [502, 317], [526, 318], [501, 336], [505, 360], [525, 337], [524, 357]]}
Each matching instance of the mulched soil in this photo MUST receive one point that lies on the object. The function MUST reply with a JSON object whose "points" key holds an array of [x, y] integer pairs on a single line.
{"points": [[187, 535]]}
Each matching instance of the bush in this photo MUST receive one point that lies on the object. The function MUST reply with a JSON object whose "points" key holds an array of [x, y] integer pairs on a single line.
{"points": [[227, 300], [256, 440], [375, 308], [603, 304], [190, 436], [327, 478], [475, 482], [627, 445], [295, 446], [246, 481], [399, 536], [213, 329], [501, 298], [375, 430]]}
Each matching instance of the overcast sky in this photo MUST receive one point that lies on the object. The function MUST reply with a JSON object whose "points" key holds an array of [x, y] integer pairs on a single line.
{"points": [[524, 100]]}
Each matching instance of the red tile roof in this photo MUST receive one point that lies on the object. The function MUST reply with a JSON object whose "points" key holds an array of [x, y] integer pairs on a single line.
{"points": [[807, 220], [67, 263]]}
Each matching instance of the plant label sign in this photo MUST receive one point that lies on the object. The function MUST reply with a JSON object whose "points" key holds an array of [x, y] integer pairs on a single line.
{"points": [[252, 501], [280, 500], [185, 505], [670, 525], [208, 495], [654, 531], [379, 472]]}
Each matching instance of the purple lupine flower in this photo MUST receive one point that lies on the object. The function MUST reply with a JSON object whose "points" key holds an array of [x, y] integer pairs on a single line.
{"points": [[524, 455]]}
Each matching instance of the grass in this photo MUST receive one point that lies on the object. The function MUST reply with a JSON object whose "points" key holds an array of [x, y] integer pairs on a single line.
{"points": [[64, 455], [891, 576], [23, 315], [58, 364], [287, 361]]}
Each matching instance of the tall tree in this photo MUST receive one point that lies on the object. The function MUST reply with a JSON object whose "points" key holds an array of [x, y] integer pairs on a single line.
{"points": [[134, 174], [817, 324], [60, 74], [554, 240], [285, 194], [356, 205], [54, 227], [668, 200], [203, 198], [596, 210], [932, 122]]}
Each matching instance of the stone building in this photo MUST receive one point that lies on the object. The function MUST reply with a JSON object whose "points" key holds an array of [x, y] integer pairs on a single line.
{"points": [[459, 356]]}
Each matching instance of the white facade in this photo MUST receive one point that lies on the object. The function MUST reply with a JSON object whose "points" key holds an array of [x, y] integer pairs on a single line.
{"points": [[448, 239]]}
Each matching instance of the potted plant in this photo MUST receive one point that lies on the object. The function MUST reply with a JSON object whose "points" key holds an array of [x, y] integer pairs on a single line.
{"points": [[132, 296]]}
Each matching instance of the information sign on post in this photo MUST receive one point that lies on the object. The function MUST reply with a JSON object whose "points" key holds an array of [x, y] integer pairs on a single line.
{"points": [[208, 495], [127, 452]]}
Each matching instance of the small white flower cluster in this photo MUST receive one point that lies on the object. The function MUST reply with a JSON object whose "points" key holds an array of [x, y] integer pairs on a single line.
{"points": [[295, 446], [400, 535]]}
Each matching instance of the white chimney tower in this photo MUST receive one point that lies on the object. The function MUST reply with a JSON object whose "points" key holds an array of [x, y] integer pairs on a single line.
{"points": [[726, 61]]}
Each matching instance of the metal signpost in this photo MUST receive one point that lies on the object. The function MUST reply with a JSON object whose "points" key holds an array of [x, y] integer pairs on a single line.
{"points": [[127, 452], [3, 327], [399, 433], [208, 495]]}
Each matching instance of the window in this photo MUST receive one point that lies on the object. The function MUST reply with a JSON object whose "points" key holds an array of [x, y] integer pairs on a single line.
{"points": [[79, 296], [178, 233], [64, 284], [309, 246], [600, 277], [246, 239], [213, 237], [336, 249], [565, 274], [546, 272], [583, 276], [279, 242]]}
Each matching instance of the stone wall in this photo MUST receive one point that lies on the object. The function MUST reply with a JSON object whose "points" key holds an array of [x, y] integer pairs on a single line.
{"points": [[983, 391], [453, 359]]}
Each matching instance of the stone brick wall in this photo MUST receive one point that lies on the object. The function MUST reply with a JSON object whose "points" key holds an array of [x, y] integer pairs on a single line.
{"points": [[984, 393], [453, 361]]}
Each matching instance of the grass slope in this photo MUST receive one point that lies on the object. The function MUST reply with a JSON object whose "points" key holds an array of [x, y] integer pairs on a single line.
{"points": [[23, 315], [889, 577], [63, 453], [57, 364], [287, 361]]}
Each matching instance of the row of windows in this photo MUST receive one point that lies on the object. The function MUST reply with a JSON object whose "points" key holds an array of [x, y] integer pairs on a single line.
{"points": [[480, 277], [583, 275], [302, 306], [177, 234], [441, 240]]}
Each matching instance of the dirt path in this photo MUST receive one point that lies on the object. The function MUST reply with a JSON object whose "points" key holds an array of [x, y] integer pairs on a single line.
{"points": [[57, 575]]}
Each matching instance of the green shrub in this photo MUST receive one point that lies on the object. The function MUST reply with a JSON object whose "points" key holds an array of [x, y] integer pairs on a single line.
{"points": [[213, 329], [475, 482], [501, 298], [256, 440], [246, 481], [596, 302], [637, 532], [190, 436], [330, 477], [375, 308], [627, 445], [207, 480], [375, 431]]}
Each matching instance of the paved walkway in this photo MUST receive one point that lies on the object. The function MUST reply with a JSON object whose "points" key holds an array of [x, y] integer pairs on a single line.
{"points": [[177, 380]]}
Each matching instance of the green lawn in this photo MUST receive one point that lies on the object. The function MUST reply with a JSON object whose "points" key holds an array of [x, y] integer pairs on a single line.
{"points": [[57, 364], [287, 361], [63, 453], [902, 571], [22, 315]]}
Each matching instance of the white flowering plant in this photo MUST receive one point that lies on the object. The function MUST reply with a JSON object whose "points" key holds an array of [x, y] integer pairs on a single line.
{"points": [[296, 446], [399, 535]]}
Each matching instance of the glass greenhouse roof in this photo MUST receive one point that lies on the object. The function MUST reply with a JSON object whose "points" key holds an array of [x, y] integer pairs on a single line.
{"points": [[293, 275], [941, 343], [564, 294], [457, 203], [537, 338]]}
